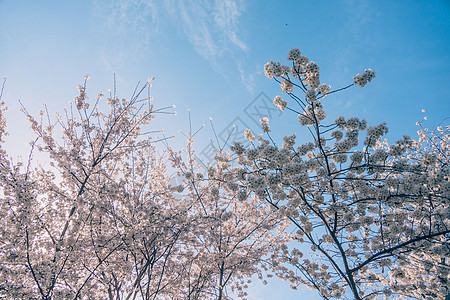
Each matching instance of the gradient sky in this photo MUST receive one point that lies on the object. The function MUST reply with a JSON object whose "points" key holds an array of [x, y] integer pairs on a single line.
{"points": [[208, 56]]}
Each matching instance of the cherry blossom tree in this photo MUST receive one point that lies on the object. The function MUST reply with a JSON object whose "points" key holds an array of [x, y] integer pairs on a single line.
{"points": [[368, 219], [97, 221]]}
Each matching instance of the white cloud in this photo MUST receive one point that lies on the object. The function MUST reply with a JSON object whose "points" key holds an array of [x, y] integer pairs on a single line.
{"points": [[248, 78], [211, 27], [127, 18], [226, 16]]}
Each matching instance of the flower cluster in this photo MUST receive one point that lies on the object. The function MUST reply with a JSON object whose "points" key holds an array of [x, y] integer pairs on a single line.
{"points": [[279, 103], [249, 135], [265, 124], [81, 99], [287, 86], [324, 89], [313, 113], [272, 69], [364, 78]]}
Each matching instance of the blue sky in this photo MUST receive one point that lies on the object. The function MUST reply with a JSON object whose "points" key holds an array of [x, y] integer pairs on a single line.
{"points": [[208, 56]]}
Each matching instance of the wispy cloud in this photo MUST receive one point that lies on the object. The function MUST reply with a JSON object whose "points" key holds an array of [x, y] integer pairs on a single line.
{"points": [[128, 19], [196, 24], [248, 78], [226, 16], [211, 27]]}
